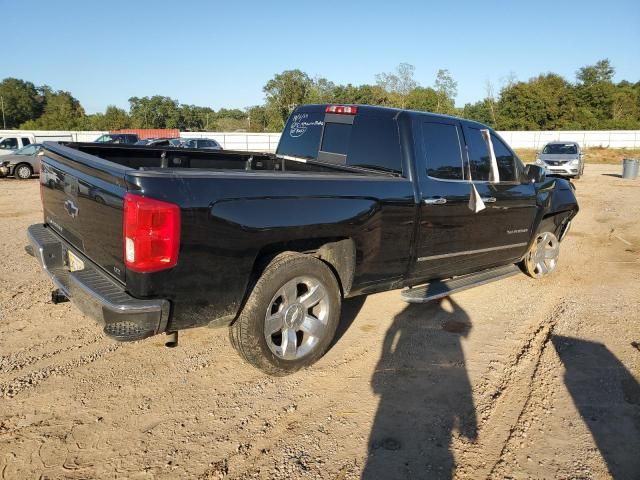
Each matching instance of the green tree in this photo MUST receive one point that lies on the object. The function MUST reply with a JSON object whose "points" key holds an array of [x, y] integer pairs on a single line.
{"points": [[21, 102], [546, 102], [113, 118], [61, 112], [399, 83], [602, 71], [595, 93], [447, 89], [285, 91], [155, 112], [362, 94], [321, 90], [194, 118], [481, 111], [423, 99]]}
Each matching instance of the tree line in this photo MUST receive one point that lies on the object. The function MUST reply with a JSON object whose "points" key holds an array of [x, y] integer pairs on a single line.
{"points": [[593, 101]]}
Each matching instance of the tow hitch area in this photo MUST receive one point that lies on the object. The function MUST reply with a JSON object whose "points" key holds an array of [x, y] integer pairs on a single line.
{"points": [[58, 296]]}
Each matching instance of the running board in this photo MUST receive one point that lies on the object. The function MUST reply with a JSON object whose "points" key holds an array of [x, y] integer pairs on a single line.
{"points": [[444, 288]]}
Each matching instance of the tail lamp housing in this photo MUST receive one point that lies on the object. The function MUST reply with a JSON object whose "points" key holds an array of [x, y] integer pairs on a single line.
{"points": [[342, 109], [151, 231]]}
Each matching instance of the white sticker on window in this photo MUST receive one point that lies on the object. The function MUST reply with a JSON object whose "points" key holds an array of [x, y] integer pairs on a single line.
{"points": [[300, 124]]}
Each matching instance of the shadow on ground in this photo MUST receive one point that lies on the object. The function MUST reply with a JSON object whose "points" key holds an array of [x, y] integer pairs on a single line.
{"points": [[608, 399], [425, 394]]}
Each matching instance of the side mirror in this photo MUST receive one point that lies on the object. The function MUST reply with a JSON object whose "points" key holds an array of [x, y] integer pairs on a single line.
{"points": [[533, 173]]}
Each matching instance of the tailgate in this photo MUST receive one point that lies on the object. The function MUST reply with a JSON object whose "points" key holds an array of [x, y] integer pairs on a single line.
{"points": [[82, 199]]}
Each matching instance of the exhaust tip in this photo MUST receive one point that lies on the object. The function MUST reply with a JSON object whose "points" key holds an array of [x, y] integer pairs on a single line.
{"points": [[172, 340]]}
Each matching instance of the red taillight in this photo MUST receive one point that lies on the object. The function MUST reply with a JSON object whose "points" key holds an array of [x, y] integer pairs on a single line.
{"points": [[342, 109], [151, 233]]}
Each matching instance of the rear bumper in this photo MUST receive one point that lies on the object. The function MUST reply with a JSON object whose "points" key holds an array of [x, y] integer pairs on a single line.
{"points": [[123, 317]]}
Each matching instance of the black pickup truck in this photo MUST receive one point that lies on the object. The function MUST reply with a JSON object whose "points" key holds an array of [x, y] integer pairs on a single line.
{"points": [[356, 200]]}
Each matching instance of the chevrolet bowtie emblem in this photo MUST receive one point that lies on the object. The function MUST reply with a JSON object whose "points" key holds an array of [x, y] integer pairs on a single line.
{"points": [[71, 208]]}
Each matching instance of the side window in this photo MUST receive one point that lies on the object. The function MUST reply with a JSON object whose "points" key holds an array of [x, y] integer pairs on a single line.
{"points": [[9, 143], [479, 158], [25, 141], [507, 162], [375, 143], [442, 149]]}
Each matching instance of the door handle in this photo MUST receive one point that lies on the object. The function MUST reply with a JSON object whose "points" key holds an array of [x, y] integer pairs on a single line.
{"points": [[489, 199], [435, 201]]}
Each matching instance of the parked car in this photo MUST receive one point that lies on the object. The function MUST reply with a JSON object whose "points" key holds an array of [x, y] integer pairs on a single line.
{"points": [[127, 138], [206, 143], [562, 158], [22, 163], [160, 142], [356, 200], [11, 143]]}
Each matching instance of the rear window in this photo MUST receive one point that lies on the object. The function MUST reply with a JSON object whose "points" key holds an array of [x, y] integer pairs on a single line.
{"points": [[301, 136], [336, 138], [370, 142]]}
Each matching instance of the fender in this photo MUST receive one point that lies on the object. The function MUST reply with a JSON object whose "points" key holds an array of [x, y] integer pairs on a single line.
{"points": [[557, 205]]}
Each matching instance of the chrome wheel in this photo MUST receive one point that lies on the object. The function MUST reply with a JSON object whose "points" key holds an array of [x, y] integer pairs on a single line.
{"points": [[296, 319], [544, 254]]}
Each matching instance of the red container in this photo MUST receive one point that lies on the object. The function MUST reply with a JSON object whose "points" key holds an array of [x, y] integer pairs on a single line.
{"points": [[151, 132]]}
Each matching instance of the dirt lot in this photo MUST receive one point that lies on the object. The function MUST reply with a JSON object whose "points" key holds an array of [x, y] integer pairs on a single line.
{"points": [[516, 379]]}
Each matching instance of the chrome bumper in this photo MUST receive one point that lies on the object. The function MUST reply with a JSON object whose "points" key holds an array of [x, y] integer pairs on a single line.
{"points": [[124, 317]]}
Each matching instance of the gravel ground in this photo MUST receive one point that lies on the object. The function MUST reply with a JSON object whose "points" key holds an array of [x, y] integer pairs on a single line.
{"points": [[515, 379]]}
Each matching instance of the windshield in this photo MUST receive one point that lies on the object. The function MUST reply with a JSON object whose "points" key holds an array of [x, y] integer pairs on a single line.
{"points": [[28, 150], [103, 139], [560, 149]]}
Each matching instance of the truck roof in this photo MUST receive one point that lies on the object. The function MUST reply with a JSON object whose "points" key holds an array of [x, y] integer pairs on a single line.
{"points": [[391, 111]]}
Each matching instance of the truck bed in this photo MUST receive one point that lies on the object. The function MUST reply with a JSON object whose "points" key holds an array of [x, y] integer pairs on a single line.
{"points": [[141, 157]]}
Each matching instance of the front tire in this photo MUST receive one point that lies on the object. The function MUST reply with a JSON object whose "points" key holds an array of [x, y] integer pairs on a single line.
{"points": [[542, 258], [23, 171], [290, 317]]}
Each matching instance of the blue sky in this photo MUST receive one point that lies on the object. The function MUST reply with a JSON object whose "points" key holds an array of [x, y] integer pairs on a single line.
{"points": [[221, 53]]}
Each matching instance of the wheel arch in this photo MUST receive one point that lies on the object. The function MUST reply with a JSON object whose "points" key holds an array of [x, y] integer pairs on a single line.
{"points": [[339, 254]]}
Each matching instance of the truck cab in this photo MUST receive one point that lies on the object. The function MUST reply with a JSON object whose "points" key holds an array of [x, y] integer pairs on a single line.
{"points": [[11, 143]]}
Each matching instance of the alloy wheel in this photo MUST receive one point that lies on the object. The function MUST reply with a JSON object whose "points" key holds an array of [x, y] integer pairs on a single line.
{"points": [[296, 319]]}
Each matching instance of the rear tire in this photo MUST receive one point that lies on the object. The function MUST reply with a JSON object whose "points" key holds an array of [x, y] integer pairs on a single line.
{"points": [[22, 171], [290, 316]]}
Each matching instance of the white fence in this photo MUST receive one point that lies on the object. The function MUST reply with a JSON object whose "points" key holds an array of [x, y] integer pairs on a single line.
{"points": [[267, 142], [586, 138], [256, 142]]}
